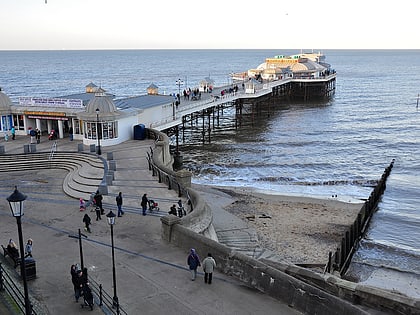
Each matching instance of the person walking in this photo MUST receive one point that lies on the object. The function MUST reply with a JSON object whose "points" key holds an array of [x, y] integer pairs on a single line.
{"points": [[208, 267], [13, 131], [82, 204], [144, 203], [119, 201], [98, 201], [71, 133], [98, 213], [38, 135], [87, 221], [193, 262], [28, 248], [32, 133]]}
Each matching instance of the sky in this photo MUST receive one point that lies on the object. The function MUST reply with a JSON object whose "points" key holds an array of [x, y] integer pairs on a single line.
{"points": [[216, 24]]}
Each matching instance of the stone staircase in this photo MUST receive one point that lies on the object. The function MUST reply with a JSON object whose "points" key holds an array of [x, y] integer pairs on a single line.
{"points": [[85, 171], [244, 240]]}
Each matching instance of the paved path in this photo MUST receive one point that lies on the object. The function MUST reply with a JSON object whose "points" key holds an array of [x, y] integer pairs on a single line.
{"points": [[152, 277]]}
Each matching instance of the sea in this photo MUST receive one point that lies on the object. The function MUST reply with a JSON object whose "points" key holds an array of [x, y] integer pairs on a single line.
{"points": [[333, 148]]}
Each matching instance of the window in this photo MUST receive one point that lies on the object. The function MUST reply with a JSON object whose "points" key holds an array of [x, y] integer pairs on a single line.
{"points": [[76, 124], [107, 130], [18, 122]]}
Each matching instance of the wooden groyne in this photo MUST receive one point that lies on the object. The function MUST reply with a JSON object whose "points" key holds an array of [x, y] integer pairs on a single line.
{"points": [[340, 260]]}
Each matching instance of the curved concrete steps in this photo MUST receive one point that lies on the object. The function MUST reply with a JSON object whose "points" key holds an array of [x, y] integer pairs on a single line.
{"points": [[85, 171]]}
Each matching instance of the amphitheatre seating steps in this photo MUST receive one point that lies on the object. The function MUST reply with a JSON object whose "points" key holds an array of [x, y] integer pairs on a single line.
{"points": [[85, 171]]}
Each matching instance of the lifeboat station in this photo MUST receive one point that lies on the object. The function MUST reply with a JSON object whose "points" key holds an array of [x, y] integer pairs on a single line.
{"points": [[97, 115]]}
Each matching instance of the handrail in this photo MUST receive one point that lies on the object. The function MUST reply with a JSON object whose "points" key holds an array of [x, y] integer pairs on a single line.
{"points": [[216, 99], [104, 299], [53, 150], [13, 290]]}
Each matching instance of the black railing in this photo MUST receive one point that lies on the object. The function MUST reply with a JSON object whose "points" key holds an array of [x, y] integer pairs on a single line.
{"points": [[14, 291], [104, 300], [166, 178]]}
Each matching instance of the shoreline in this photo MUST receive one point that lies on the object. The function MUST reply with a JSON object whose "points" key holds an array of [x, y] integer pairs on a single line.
{"points": [[300, 229], [303, 229]]}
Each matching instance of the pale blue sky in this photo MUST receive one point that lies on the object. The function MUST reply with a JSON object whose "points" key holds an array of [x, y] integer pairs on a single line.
{"points": [[219, 24]]}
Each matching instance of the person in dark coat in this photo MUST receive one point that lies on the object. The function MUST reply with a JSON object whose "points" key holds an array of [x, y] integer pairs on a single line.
{"points": [[71, 133], [98, 213], [73, 273], [193, 262], [87, 221], [12, 249], [38, 135], [144, 203], [119, 201], [87, 295], [173, 210], [81, 281], [98, 201]]}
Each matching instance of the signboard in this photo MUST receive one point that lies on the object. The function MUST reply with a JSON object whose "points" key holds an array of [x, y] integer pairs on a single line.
{"points": [[27, 112], [48, 117], [50, 102]]}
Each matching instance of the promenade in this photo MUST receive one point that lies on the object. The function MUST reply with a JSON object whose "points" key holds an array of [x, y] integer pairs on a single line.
{"points": [[151, 275]]}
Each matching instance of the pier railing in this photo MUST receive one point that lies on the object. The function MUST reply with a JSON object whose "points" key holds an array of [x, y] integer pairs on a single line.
{"points": [[340, 260], [215, 98]]}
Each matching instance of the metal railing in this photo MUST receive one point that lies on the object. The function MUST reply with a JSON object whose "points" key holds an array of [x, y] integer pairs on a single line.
{"points": [[104, 300], [14, 291], [53, 150]]}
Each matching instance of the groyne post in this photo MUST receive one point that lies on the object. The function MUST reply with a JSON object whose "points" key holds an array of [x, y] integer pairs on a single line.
{"points": [[356, 231]]}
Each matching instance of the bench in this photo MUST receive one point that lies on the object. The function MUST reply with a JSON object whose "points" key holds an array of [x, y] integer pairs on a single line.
{"points": [[16, 260]]}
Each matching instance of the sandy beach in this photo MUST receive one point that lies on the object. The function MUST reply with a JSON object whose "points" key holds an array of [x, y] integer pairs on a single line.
{"points": [[302, 230]]}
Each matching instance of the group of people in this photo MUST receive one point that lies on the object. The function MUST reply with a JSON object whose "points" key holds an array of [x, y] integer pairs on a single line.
{"points": [[12, 131], [96, 200], [193, 261], [79, 279], [180, 212], [14, 252], [35, 135], [99, 210]]}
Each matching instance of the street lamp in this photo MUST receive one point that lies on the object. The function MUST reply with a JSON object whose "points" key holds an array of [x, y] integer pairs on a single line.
{"points": [[111, 221], [179, 82], [97, 132], [16, 206]]}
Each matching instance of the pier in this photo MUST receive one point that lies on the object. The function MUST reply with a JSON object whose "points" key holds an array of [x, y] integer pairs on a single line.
{"points": [[210, 105]]}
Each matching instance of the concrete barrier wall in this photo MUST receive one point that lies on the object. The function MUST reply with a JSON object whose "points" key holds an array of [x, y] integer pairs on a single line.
{"points": [[296, 293]]}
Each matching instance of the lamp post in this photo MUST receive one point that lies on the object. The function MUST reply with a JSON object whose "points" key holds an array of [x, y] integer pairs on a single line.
{"points": [[111, 221], [16, 200], [179, 82], [97, 132]]}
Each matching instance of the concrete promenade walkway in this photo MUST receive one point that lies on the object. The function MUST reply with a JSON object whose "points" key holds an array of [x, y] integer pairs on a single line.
{"points": [[152, 276]]}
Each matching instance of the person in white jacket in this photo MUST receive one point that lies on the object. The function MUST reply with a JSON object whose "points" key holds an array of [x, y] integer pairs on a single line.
{"points": [[208, 266]]}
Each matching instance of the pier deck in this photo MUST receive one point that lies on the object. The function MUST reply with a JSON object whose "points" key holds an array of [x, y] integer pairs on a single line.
{"points": [[209, 100]]}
